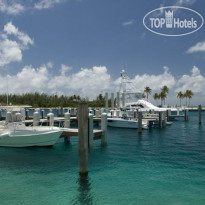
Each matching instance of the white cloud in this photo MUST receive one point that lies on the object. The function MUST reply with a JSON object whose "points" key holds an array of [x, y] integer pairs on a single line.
{"points": [[155, 82], [128, 23], [89, 82], [11, 7], [46, 4], [11, 50], [199, 47], [194, 82], [65, 69]]}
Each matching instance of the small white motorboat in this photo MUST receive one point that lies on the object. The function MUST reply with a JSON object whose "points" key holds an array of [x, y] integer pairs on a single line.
{"points": [[16, 134], [126, 123]]}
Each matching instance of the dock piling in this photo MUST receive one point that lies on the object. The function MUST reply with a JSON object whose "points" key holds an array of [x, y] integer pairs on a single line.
{"points": [[83, 138], [90, 132], [139, 122], [36, 119], [199, 112], [104, 128], [50, 117], [67, 125], [112, 101]]}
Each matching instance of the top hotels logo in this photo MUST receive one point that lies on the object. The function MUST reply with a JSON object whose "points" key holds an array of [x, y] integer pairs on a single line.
{"points": [[173, 21]]}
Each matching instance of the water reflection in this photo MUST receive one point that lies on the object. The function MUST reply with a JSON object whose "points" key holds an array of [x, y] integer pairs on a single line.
{"points": [[84, 196]]}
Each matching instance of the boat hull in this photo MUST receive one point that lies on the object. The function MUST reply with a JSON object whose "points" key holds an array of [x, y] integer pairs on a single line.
{"points": [[29, 138], [123, 123]]}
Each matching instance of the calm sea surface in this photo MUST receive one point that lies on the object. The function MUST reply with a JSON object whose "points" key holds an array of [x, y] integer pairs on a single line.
{"points": [[164, 166]]}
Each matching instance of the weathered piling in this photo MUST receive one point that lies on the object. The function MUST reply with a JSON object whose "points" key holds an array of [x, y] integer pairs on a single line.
{"points": [[83, 138], [160, 119], [135, 114], [106, 101], [27, 114], [67, 125], [199, 112], [186, 114], [8, 117], [164, 119], [90, 131], [139, 122], [104, 128], [42, 114], [36, 119], [118, 100], [112, 101], [97, 113], [50, 117], [0, 114]]}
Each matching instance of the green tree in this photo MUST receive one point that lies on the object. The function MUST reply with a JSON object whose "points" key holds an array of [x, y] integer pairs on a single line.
{"points": [[156, 97], [165, 91], [180, 95], [148, 91], [163, 96], [189, 94]]}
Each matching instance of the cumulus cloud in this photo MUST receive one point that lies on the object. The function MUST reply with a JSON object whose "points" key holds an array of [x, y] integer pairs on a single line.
{"points": [[153, 81], [46, 4], [65, 69], [10, 29], [11, 7], [86, 82], [11, 50], [89, 82], [195, 81], [199, 47]]}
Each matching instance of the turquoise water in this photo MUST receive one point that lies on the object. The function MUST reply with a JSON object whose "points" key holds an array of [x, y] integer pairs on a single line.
{"points": [[158, 167]]}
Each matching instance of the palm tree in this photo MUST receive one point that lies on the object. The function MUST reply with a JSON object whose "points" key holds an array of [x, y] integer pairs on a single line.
{"points": [[165, 91], [180, 95], [143, 95], [156, 96], [148, 91], [189, 94], [163, 96]]}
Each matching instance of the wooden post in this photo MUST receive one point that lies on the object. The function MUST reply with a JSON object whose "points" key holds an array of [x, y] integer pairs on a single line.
{"points": [[167, 115], [160, 119], [112, 101], [139, 122], [75, 112], [135, 114], [90, 133], [106, 101], [118, 100], [0, 114], [186, 114], [67, 125], [199, 112], [50, 117], [36, 119], [27, 114], [104, 128], [163, 119], [42, 114], [83, 138], [97, 113]]}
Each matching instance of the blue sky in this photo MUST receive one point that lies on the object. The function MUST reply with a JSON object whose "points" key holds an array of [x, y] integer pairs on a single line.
{"points": [[72, 39]]}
